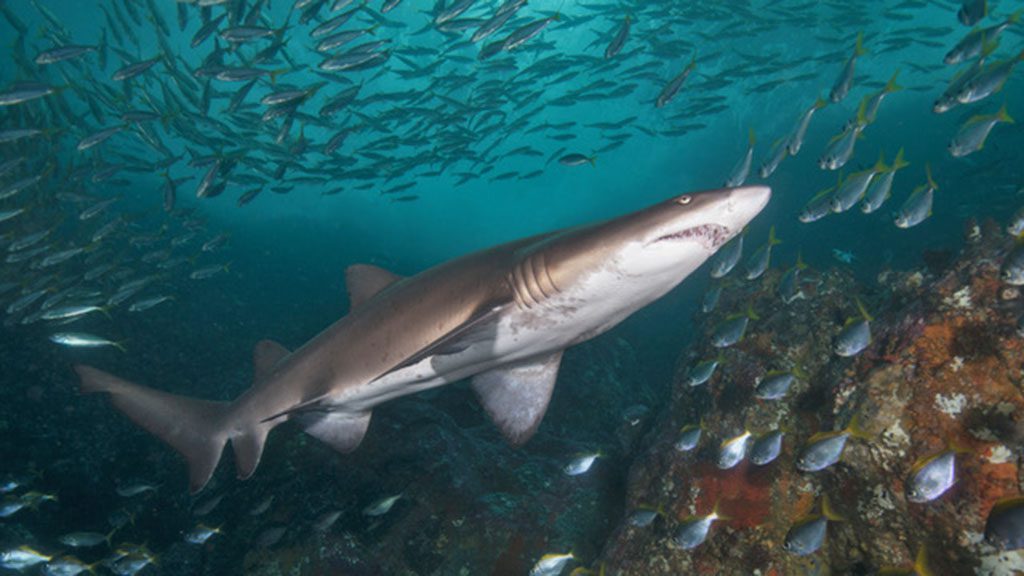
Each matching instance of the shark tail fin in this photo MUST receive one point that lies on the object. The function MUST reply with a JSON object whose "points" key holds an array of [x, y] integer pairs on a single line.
{"points": [[195, 428]]}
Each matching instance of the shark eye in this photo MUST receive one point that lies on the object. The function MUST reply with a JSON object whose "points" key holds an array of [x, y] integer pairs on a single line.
{"points": [[684, 200]]}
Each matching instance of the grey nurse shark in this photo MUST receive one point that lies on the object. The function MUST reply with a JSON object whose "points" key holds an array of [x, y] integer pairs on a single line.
{"points": [[501, 316]]}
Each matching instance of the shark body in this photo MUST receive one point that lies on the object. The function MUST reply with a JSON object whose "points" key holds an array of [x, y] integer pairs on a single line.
{"points": [[502, 316]]}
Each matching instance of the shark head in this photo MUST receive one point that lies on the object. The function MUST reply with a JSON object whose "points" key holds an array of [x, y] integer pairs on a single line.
{"points": [[653, 249]]}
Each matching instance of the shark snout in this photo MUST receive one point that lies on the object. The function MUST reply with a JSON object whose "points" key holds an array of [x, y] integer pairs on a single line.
{"points": [[744, 204]]}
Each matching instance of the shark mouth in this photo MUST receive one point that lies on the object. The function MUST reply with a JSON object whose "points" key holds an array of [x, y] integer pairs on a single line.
{"points": [[710, 236]]}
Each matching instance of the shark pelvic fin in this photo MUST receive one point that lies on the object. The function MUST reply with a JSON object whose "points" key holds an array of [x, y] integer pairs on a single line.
{"points": [[516, 396], [195, 428], [339, 430], [265, 356], [364, 281]]}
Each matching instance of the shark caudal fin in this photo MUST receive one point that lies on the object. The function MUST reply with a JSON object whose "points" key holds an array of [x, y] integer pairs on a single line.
{"points": [[195, 428]]}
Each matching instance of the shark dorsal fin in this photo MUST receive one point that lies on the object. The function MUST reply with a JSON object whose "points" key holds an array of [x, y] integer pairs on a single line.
{"points": [[516, 396], [364, 281], [265, 355]]}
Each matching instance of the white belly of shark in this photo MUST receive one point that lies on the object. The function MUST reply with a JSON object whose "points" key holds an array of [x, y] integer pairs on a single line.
{"points": [[508, 313]]}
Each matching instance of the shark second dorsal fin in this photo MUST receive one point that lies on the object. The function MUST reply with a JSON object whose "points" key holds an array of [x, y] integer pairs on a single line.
{"points": [[364, 281], [265, 356], [516, 396]]}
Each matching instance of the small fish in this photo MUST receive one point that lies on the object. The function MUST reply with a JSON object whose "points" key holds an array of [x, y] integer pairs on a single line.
{"points": [[825, 448], [733, 451], [672, 88], [204, 507], [577, 159], [841, 147], [65, 312], [776, 384], [208, 272], [726, 259], [844, 256], [83, 340], [703, 371], [972, 135], [200, 534], [759, 261], [134, 489], [790, 289], [819, 206], [931, 477], [808, 534], [615, 46], [68, 566], [845, 80], [779, 150], [796, 138], [147, 303], [382, 506], [874, 101], [85, 539], [264, 505], [551, 564], [971, 45], [21, 558], [766, 448], [950, 97], [988, 80], [972, 11], [853, 188], [644, 516], [732, 329], [711, 297], [1012, 271], [1004, 527], [918, 206], [693, 531], [581, 464], [741, 170], [62, 53], [855, 335], [324, 522], [689, 437], [881, 186]]}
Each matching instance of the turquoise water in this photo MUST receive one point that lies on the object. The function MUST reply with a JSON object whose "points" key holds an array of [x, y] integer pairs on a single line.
{"points": [[449, 153]]}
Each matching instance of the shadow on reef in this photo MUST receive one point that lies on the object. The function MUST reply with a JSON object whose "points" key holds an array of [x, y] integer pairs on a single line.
{"points": [[943, 367]]}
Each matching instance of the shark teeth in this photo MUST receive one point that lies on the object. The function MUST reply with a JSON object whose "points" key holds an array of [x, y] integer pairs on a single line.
{"points": [[711, 236]]}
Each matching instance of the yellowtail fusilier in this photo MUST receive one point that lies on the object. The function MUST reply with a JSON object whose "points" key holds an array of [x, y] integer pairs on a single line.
{"points": [[381, 506], [790, 288], [733, 451], [759, 261], [856, 333], [881, 186], [731, 330], [741, 170], [551, 564], [932, 476], [918, 206], [22, 558], [808, 534], [972, 135], [693, 531], [83, 340], [845, 80], [726, 259], [689, 437], [581, 464], [826, 448], [766, 448], [65, 312]]}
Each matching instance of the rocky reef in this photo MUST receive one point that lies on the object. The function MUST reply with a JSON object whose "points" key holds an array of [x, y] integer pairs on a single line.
{"points": [[943, 368]]}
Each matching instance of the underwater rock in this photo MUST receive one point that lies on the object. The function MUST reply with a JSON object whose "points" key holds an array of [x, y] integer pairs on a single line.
{"points": [[943, 369]]}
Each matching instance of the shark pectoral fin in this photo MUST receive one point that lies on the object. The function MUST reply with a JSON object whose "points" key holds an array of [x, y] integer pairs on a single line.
{"points": [[477, 328], [195, 428], [516, 396], [364, 281], [339, 430], [265, 356]]}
